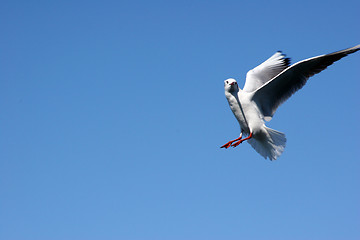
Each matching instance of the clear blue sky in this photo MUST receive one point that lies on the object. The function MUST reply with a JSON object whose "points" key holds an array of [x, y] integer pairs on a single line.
{"points": [[113, 112]]}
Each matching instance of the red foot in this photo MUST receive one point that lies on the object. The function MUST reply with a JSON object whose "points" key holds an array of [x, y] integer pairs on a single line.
{"points": [[227, 145], [236, 144]]}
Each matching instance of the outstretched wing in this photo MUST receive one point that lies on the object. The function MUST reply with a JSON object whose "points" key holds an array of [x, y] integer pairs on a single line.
{"points": [[272, 94], [263, 73]]}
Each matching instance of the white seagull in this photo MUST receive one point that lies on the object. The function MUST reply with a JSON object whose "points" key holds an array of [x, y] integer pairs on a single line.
{"points": [[267, 86]]}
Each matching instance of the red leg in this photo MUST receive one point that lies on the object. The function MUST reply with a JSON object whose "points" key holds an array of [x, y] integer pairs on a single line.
{"points": [[240, 141], [227, 145]]}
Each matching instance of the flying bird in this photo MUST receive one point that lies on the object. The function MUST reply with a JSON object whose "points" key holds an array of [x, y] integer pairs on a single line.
{"points": [[266, 87]]}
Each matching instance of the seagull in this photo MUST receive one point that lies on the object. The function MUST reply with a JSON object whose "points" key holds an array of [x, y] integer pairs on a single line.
{"points": [[266, 87]]}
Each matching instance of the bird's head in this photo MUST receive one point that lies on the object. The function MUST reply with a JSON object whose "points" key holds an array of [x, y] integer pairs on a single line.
{"points": [[231, 85]]}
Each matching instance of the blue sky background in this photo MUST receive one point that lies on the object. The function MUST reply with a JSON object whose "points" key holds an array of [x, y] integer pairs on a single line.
{"points": [[113, 112]]}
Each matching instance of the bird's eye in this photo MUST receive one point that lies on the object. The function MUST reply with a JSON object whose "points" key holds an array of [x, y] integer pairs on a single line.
{"points": [[227, 81]]}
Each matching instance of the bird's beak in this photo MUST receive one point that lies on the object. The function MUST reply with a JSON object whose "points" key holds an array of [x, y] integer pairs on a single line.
{"points": [[232, 83]]}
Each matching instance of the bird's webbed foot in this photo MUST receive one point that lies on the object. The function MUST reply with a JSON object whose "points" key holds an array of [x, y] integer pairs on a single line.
{"points": [[227, 145]]}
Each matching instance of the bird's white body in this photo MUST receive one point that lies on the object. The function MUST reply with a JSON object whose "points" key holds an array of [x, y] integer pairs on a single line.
{"points": [[268, 142], [266, 88], [246, 112]]}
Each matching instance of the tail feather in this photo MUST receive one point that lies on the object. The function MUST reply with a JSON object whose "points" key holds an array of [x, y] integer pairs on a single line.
{"points": [[271, 146]]}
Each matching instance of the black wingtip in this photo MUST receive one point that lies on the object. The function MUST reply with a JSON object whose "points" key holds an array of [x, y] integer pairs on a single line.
{"points": [[287, 61]]}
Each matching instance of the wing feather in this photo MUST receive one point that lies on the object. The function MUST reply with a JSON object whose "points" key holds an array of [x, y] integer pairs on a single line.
{"points": [[273, 93], [263, 73]]}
